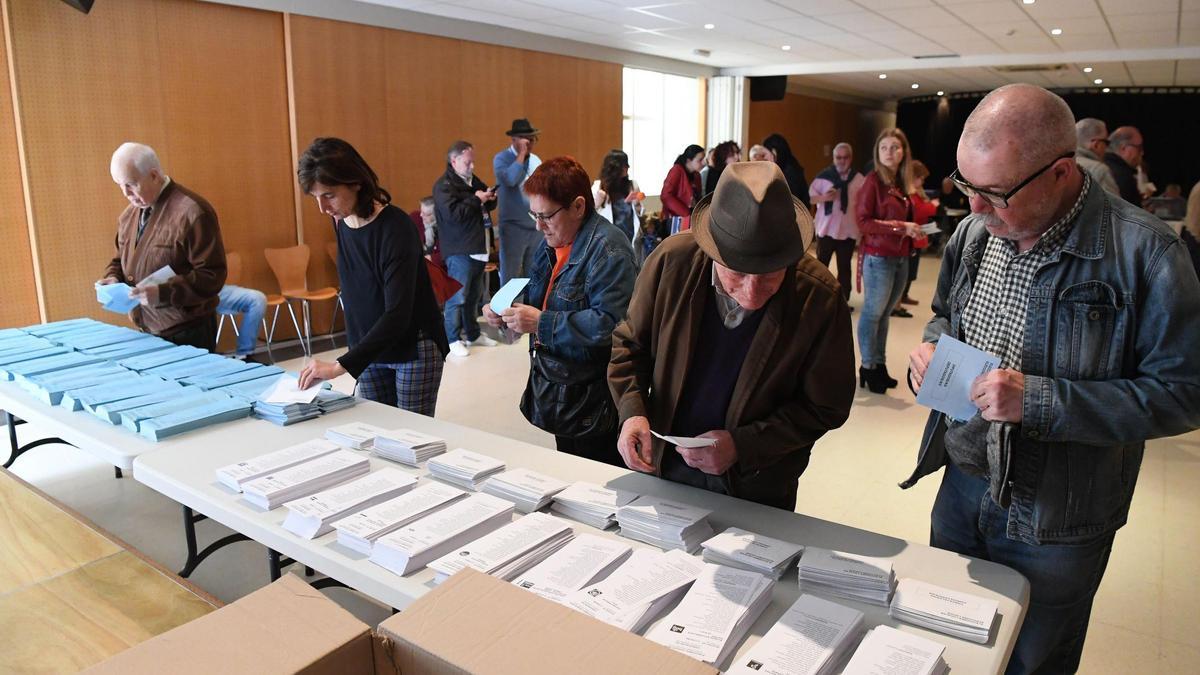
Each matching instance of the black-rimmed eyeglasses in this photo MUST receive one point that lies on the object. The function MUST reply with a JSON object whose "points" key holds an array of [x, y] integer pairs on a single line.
{"points": [[544, 217], [999, 200]]}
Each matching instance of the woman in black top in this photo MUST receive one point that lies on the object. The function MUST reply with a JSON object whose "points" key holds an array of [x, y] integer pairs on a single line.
{"points": [[792, 171], [393, 324], [724, 154]]}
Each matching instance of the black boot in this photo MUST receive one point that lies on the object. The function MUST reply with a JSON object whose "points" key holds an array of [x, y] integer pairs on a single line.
{"points": [[888, 380], [870, 378]]}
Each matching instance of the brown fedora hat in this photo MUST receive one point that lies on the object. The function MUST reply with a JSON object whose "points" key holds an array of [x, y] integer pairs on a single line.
{"points": [[751, 223]]}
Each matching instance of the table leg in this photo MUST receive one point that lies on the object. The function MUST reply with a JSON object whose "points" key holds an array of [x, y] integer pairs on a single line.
{"points": [[117, 472], [194, 557], [15, 449]]}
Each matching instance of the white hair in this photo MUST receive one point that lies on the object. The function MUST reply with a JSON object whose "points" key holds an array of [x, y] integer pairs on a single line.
{"points": [[140, 156], [1089, 129], [758, 148], [843, 144]]}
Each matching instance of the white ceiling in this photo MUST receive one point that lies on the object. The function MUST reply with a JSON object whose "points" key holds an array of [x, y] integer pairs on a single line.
{"points": [[842, 45]]}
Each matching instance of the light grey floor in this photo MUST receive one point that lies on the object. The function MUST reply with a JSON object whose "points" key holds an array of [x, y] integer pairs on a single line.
{"points": [[1145, 614]]}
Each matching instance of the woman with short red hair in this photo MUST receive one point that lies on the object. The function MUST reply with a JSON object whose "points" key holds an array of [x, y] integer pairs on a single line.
{"points": [[578, 292]]}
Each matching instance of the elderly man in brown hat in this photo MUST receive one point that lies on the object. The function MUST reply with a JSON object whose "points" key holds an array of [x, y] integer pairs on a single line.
{"points": [[734, 335]]}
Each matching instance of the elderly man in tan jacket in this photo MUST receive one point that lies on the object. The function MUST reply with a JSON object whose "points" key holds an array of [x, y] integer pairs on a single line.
{"points": [[734, 335]]}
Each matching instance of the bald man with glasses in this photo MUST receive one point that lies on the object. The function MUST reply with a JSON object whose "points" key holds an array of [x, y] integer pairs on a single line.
{"points": [[1090, 303]]}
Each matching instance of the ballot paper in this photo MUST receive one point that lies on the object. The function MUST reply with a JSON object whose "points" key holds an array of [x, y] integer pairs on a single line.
{"points": [[207, 364], [464, 468], [70, 395], [355, 435], [407, 446], [812, 638], [112, 410], [50, 387], [191, 397], [749, 551], [847, 575], [49, 364], [92, 397], [503, 298], [359, 531], [53, 327], [244, 373], [529, 490], [175, 354], [330, 400], [419, 543], [322, 473], [234, 476], [955, 613], [251, 390], [312, 516], [107, 336], [159, 276], [638, 591], [191, 419], [115, 297], [664, 523], [591, 504], [585, 560], [122, 350], [887, 651], [930, 228], [947, 383], [686, 441], [287, 390], [715, 614], [509, 550]]}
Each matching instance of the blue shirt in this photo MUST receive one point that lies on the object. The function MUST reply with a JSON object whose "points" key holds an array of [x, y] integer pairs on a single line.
{"points": [[510, 177]]}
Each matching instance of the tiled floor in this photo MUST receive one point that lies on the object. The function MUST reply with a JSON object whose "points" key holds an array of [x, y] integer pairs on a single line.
{"points": [[1145, 614]]}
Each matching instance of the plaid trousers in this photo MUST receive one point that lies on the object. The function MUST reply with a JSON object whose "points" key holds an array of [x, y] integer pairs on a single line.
{"points": [[412, 385]]}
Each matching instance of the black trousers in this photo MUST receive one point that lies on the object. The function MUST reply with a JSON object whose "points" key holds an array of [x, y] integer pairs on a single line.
{"points": [[202, 334], [600, 448], [844, 248]]}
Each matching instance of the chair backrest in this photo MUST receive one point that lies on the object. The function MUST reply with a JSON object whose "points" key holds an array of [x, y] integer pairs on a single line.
{"points": [[290, 266], [233, 268], [331, 249]]}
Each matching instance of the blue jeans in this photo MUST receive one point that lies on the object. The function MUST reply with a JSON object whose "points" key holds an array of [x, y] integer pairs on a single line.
{"points": [[883, 284], [1063, 578], [252, 305], [518, 245], [461, 307]]}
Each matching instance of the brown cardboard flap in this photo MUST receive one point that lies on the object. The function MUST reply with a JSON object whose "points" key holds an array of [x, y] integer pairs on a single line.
{"points": [[475, 623]]}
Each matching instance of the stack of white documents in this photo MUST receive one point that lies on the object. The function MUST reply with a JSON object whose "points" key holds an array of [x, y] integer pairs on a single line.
{"points": [[464, 468], [664, 524], [529, 490], [235, 476], [419, 543], [508, 551], [591, 504], [749, 551], [812, 638], [313, 516], [407, 446], [847, 575], [585, 560], [962, 615], [304, 479], [332, 400], [359, 531], [886, 650], [355, 435], [711, 620], [638, 591]]}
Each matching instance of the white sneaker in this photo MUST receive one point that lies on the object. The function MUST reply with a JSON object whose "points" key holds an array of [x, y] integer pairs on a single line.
{"points": [[483, 341], [459, 348]]}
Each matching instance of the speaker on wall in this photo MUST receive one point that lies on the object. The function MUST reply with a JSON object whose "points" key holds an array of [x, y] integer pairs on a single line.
{"points": [[84, 6], [769, 88]]}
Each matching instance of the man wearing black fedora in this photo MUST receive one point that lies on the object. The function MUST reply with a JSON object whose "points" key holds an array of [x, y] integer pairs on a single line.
{"points": [[735, 335], [519, 238]]}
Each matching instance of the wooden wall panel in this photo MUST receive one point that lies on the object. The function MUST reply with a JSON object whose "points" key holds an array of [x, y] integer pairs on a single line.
{"points": [[812, 127], [17, 288]]}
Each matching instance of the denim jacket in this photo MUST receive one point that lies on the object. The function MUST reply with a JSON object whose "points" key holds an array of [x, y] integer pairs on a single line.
{"points": [[1109, 358], [590, 296]]}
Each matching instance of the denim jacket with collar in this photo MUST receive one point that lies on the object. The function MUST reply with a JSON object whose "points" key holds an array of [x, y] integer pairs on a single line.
{"points": [[1110, 357], [590, 296]]}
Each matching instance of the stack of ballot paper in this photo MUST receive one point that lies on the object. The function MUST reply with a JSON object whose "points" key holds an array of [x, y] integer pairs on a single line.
{"points": [[90, 397], [355, 435], [284, 403], [359, 531], [244, 372], [749, 551], [847, 575], [419, 543], [715, 614], [962, 615], [894, 652], [585, 560], [206, 364], [161, 357], [529, 490], [110, 411], [638, 591], [664, 524], [284, 414], [301, 480], [407, 446], [50, 388], [142, 345], [464, 468], [192, 418], [331, 400], [313, 516], [591, 504], [251, 390], [188, 398], [508, 551], [812, 638], [47, 364], [235, 476]]}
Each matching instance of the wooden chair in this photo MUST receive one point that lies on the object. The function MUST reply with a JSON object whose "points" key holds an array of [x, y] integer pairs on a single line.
{"points": [[290, 266], [233, 277], [331, 250]]}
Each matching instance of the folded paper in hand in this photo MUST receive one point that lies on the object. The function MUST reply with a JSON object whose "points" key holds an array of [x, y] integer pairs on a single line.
{"points": [[687, 442], [160, 276], [115, 297], [503, 299], [953, 368]]}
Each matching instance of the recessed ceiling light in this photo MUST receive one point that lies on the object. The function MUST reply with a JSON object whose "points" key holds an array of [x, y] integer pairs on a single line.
{"points": [[1106, 90], [915, 85], [1097, 81], [709, 26], [941, 93], [1028, 2], [786, 48], [1056, 31], [1088, 69], [883, 76]]}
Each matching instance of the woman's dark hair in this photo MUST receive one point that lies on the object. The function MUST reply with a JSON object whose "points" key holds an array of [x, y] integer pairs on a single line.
{"points": [[332, 161], [612, 175], [688, 153], [777, 144], [725, 150]]}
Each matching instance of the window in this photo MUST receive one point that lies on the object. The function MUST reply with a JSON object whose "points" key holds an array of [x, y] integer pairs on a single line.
{"points": [[661, 117]]}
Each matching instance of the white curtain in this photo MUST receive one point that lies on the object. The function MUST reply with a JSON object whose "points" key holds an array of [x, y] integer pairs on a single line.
{"points": [[728, 100]]}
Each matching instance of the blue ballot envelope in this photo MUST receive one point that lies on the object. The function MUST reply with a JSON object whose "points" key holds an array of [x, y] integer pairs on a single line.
{"points": [[115, 297]]}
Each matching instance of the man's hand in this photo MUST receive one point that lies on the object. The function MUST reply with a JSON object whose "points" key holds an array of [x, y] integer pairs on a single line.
{"points": [[521, 318], [148, 296], [484, 196], [918, 363], [107, 281], [830, 195], [714, 460], [315, 371], [634, 444], [523, 146], [494, 320], [999, 394]]}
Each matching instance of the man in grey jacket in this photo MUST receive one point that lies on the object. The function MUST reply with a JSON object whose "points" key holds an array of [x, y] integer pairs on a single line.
{"points": [[1091, 142], [1090, 303]]}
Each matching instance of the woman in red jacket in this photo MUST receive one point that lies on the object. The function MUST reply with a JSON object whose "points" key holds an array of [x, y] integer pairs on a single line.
{"points": [[885, 219], [682, 187]]}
